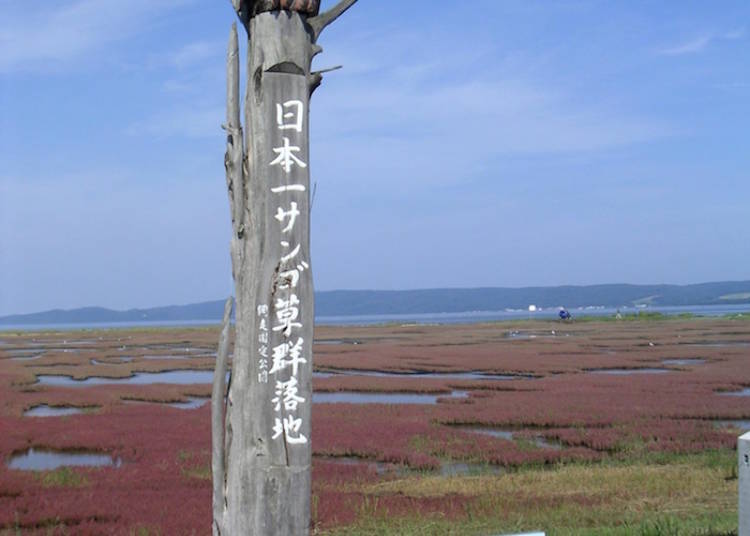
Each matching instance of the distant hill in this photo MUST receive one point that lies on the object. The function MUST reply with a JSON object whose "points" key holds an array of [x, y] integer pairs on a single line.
{"points": [[374, 302]]}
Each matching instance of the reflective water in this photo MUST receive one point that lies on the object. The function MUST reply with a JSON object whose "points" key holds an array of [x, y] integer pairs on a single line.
{"points": [[120, 359], [628, 372], [177, 349], [474, 375], [64, 350], [179, 353], [525, 335], [46, 460], [494, 432], [380, 467], [742, 392], [25, 354], [20, 352], [546, 444], [50, 411], [730, 344], [192, 402], [683, 362], [178, 377], [510, 435], [549, 313], [467, 317], [27, 358], [739, 425], [336, 341], [383, 398]]}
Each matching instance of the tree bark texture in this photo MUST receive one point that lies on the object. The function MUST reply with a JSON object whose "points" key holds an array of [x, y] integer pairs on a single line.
{"points": [[261, 456]]}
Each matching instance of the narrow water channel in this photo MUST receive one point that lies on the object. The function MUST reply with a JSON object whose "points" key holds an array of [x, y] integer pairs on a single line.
{"points": [[51, 411], [383, 398], [177, 377], [47, 460]]}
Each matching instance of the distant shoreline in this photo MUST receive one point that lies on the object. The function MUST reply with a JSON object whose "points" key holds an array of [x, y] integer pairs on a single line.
{"points": [[461, 305], [466, 317]]}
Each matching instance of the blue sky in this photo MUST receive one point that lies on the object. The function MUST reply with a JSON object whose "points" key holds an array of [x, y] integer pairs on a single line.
{"points": [[510, 143]]}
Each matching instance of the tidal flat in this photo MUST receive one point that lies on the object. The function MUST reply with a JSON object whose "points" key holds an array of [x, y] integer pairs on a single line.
{"points": [[457, 429]]}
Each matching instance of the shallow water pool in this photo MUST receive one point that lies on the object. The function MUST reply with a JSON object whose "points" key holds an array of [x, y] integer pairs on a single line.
{"points": [[47, 460], [383, 398]]}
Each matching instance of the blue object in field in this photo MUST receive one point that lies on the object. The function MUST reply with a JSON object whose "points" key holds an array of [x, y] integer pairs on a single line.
{"points": [[564, 314]]}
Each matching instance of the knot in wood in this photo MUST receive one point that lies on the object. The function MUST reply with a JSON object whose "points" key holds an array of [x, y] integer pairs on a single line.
{"points": [[309, 8]]}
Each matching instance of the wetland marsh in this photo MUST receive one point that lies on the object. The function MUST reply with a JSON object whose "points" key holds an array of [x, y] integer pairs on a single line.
{"points": [[453, 429]]}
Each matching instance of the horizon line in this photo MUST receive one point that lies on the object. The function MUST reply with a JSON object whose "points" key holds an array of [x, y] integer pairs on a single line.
{"points": [[344, 290]]}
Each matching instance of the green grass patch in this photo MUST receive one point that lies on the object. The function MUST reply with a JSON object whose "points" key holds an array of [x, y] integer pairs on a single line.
{"points": [[553, 523], [656, 495], [738, 316], [191, 467], [201, 473], [144, 530], [640, 316], [65, 477]]}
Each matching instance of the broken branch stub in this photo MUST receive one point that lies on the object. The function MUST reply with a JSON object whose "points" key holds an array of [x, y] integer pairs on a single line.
{"points": [[247, 9], [303, 7]]}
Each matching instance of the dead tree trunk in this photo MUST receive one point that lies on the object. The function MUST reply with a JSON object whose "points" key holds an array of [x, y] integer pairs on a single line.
{"points": [[261, 445]]}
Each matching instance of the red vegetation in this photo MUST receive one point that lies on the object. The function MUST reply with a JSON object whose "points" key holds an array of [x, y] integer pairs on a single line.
{"points": [[164, 481]]}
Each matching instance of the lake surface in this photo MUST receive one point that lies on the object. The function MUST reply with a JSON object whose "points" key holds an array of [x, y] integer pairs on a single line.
{"points": [[468, 317], [47, 460], [547, 314]]}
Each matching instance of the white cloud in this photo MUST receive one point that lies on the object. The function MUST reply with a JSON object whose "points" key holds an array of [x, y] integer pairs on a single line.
{"points": [[689, 47], [701, 43], [478, 103], [399, 141], [733, 35], [38, 35], [495, 117]]}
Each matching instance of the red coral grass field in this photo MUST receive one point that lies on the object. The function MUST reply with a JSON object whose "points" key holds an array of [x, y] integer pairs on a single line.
{"points": [[563, 402]]}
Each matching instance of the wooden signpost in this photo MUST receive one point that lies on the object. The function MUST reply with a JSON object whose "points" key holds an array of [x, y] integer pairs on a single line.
{"points": [[261, 454]]}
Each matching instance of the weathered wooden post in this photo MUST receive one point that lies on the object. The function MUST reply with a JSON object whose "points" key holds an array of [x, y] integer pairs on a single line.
{"points": [[743, 454], [261, 455]]}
